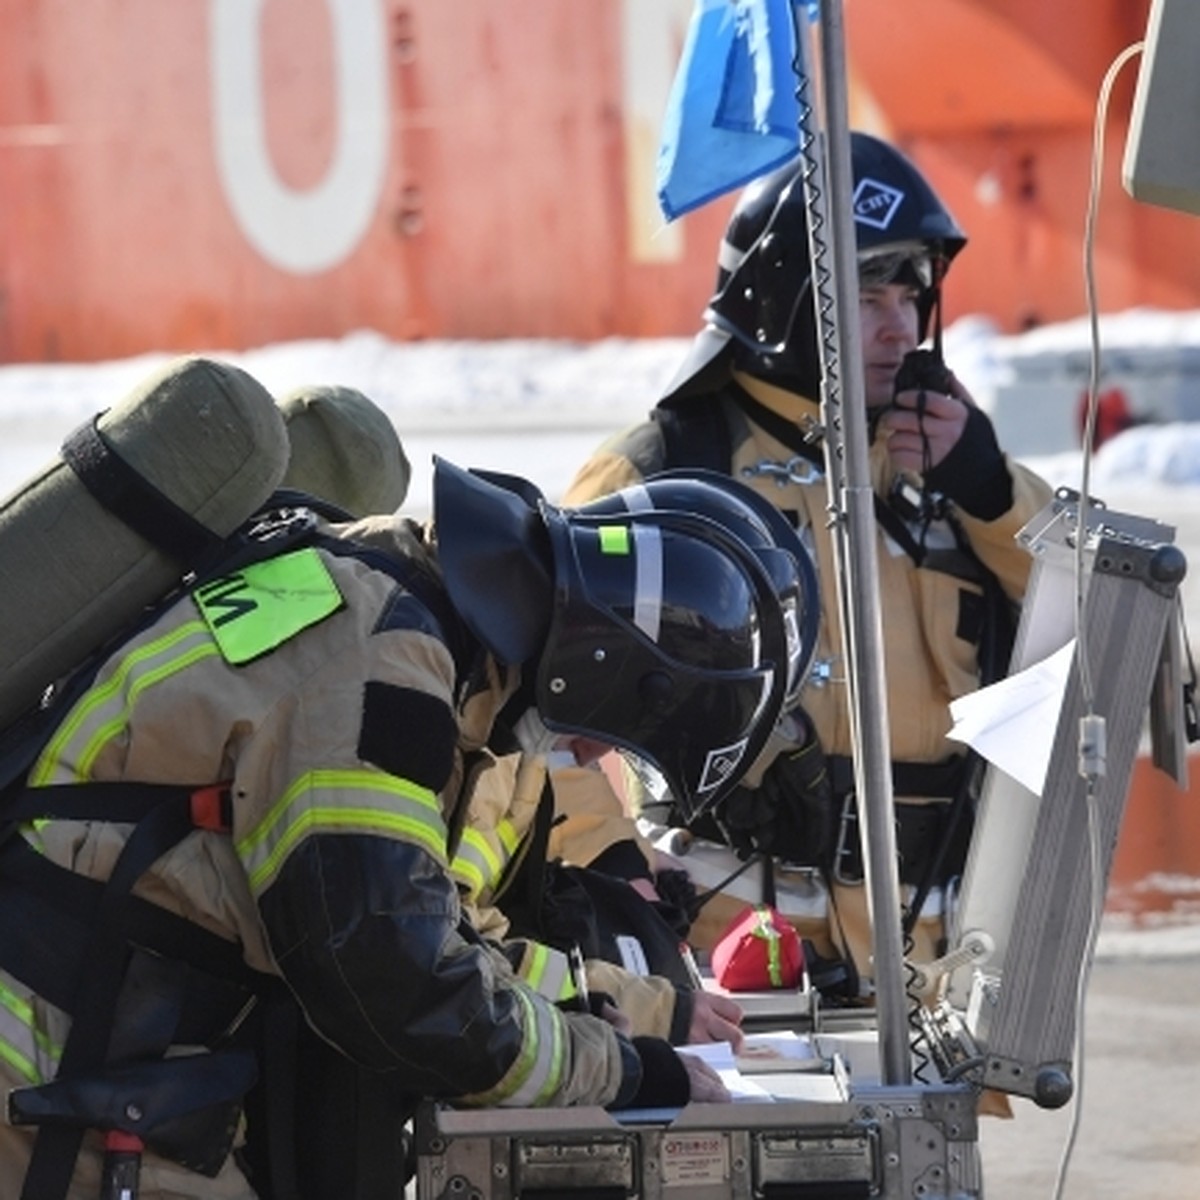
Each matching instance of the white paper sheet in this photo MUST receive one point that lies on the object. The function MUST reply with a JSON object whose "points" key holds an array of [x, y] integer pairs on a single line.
{"points": [[1012, 723]]}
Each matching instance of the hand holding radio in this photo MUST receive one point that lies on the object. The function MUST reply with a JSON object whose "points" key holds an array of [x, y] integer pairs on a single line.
{"points": [[935, 429], [927, 415]]}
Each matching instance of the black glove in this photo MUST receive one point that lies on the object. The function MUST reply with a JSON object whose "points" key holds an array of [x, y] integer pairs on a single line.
{"points": [[974, 474], [653, 1075], [790, 815]]}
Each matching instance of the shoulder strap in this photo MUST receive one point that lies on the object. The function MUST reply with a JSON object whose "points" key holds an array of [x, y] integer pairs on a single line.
{"points": [[265, 535], [133, 498]]}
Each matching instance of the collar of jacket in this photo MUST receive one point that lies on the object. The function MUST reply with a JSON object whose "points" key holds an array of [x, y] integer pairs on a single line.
{"points": [[797, 410], [789, 405]]}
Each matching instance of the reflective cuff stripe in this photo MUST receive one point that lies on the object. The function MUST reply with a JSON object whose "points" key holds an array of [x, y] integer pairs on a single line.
{"points": [[548, 972], [101, 713], [23, 1047], [537, 1073], [317, 803], [482, 856]]}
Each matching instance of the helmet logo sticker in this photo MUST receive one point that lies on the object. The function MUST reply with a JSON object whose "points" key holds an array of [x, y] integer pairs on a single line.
{"points": [[875, 203], [719, 764]]}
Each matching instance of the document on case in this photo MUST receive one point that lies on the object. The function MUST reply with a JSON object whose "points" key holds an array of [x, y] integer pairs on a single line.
{"points": [[783, 1050], [720, 1056], [1013, 723], [780, 1052]]}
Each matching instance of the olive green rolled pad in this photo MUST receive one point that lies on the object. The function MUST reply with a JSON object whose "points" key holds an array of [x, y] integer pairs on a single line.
{"points": [[207, 435], [345, 449]]}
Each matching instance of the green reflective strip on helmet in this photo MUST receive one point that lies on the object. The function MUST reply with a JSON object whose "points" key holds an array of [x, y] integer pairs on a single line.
{"points": [[260, 607], [537, 1072], [102, 712], [614, 539], [22, 1044], [334, 802], [482, 856], [548, 972]]}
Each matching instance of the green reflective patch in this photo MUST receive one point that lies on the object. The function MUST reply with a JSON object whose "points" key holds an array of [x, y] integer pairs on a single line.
{"points": [[260, 607], [614, 539]]}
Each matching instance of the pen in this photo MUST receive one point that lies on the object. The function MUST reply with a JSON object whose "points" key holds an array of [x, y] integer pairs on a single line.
{"points": [[689, 961]]}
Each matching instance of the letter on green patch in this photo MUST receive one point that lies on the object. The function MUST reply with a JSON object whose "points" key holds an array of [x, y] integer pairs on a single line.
{"points": [[265, 604]]}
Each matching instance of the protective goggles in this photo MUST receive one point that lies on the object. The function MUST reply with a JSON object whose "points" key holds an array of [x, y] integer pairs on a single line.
{"points": [[906, 262]]}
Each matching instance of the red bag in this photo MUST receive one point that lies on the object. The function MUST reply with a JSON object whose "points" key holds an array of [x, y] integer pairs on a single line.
{"points": [[760, 950]]}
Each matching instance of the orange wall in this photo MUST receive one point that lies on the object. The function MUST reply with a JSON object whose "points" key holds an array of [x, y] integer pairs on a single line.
{"points": [[996, 100], [507, 188]]}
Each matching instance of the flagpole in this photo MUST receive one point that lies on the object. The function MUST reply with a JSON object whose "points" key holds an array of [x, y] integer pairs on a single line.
{"points": [[852, 501]]}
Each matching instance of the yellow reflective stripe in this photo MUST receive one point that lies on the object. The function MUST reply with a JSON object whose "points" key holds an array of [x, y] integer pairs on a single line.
{"points": [[103, 712], [548, 972], [537, 1073], [510, 839], [20, 1039], [313, 803], [482, 856]]}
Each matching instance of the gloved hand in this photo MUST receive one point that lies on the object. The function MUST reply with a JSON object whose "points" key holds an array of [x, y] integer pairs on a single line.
{"points": [[974, 474], [790, 815]]}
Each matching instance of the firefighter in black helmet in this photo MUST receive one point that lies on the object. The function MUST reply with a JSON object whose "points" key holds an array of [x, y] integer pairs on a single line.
{"points": [[948, 501], [227, 865]]}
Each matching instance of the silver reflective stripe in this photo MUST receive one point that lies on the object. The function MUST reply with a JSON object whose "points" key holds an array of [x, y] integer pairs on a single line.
{"points": [[648, 564], [729, 257], [537, 1074], [548, 972], [648, 579], [636, 498], [482, 856], [25, 1050]]}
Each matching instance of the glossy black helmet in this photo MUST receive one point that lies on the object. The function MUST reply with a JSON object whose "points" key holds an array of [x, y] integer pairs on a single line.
{"points": [[762, 314], [657, 630], [763, 528]]}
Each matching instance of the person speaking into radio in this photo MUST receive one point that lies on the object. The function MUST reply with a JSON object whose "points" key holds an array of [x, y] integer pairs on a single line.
{"points": [[948, 503]]}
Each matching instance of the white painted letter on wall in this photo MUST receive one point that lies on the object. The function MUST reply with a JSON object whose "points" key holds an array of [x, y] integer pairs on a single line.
{"points": [[304, 232]]}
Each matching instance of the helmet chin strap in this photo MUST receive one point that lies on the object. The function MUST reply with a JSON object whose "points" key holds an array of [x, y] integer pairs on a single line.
{"points": [[940, 263]]}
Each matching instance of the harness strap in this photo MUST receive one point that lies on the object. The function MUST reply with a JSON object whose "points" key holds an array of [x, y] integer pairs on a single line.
{"points": [[463, 649], [105, 958], [132, 498], [939, 780]]}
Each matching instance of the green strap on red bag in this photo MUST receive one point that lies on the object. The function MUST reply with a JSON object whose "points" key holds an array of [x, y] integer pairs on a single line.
{"points": [[759, 951]]}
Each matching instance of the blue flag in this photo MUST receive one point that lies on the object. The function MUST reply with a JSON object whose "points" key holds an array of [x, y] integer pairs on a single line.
{"points": [[732, 114]]}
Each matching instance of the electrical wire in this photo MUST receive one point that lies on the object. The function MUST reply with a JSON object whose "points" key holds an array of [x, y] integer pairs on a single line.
{"points": [[1081, 651]]}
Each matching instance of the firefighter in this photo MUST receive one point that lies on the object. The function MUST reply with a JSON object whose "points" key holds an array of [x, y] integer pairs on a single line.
{"points": [[948, 504], [547, 859], [226, 874]]}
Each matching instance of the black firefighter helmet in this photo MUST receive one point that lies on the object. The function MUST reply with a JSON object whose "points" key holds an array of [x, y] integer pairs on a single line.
{"points": [[762, 318], [658, 630]]}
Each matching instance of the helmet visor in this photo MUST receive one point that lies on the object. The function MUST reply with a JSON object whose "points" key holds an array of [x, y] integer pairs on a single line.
{"points": [[908, 262], [675, 651]]}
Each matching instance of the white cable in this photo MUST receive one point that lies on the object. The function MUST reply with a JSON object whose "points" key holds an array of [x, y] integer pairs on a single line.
{"points": [[1091, 726]]}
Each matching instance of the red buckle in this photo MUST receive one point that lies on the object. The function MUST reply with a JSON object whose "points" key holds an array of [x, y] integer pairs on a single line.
{"points": [[210, 808], [116, 1141]]}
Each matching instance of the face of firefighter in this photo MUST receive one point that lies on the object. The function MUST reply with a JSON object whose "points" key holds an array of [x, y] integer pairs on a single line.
{"points": [[889, 323]]}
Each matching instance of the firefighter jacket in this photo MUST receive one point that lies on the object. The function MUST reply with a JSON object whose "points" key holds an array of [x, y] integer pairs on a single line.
{"points": [[328, 699], [932, 610], [502, 800]]}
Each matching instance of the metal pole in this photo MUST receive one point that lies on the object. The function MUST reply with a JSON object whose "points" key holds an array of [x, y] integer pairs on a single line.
{"points": [[852, 502]]}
